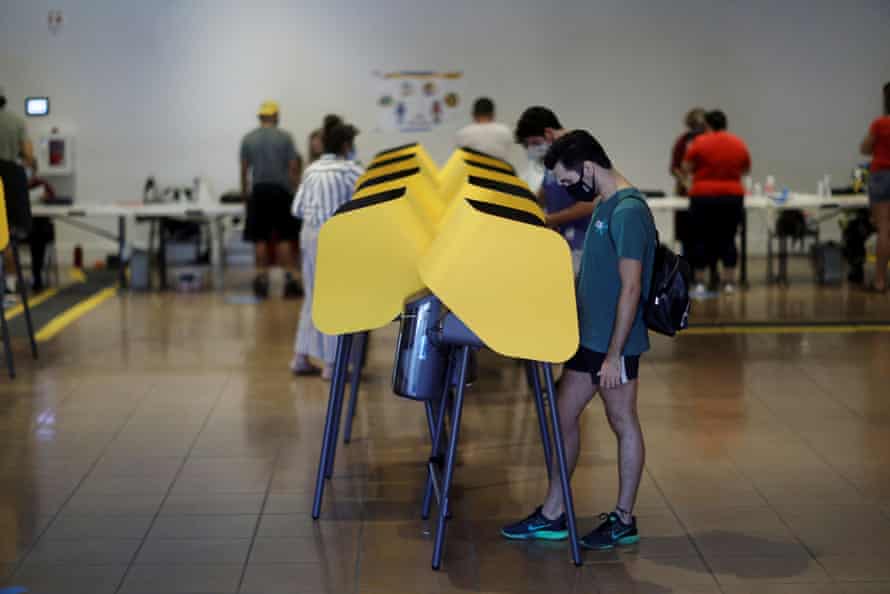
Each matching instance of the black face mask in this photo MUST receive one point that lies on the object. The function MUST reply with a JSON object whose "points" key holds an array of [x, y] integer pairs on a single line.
{"points": [[581, 192]]}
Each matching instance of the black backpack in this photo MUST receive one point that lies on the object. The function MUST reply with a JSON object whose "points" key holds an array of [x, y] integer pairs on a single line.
{"points": [[667, 306]]}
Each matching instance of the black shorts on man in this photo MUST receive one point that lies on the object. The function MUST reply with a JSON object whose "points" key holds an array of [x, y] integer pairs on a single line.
{"points": [[587, 361], [269, 215]]}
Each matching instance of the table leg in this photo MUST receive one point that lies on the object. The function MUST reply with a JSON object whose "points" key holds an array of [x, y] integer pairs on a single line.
{"points": [[121, 250], [162, 255], [743, 279]]}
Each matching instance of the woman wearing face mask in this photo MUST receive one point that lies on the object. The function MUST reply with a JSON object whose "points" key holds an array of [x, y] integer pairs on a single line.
{"points": [[537, 129], [327, 184]]}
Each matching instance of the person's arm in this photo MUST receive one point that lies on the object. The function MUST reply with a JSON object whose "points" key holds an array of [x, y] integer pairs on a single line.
{"points": [[295, 171], [867, 146], [746, 168], [245, 194], [245, 170], [297, 207], [542, 197], [631, 272], [26, 149], [28, 155], [294, 163], [578, 210], [677, 160]]}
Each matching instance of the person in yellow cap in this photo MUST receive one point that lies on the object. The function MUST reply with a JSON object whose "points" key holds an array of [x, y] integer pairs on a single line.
{"points": [[270, 173]]}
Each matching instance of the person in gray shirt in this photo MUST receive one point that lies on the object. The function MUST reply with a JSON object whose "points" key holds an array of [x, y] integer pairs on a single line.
{"points": [[270, 173], [14, 143], [14, 147]]}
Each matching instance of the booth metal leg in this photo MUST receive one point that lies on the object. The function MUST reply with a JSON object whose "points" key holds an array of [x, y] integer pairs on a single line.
{"points": [[7, 345], [437, 430], [121, 251], [464, 357], [361, 340], [23, 292], [341, 366], [534, 379], [329, 440], [564, 477]]}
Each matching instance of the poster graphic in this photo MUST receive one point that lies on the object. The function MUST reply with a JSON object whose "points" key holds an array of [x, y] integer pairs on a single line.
{"points": [[417, 101]]}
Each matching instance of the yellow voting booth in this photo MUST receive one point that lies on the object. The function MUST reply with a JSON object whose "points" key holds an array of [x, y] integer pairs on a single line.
{"points": [[462, 258], [4, 222], [366, 267]]}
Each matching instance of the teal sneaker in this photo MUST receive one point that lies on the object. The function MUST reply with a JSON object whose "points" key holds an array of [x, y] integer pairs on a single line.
{"points": [[537, 527], [611, 533]]}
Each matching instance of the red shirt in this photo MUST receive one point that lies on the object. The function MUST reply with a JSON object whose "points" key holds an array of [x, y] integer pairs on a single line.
{"points": [[719, 160], [880, 155]]}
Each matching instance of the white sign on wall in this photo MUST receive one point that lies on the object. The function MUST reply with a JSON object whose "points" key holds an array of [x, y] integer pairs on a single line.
{"points": [[417, 101]]}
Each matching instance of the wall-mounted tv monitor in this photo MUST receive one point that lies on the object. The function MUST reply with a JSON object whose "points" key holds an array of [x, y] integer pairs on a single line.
{"points": [[37, 106]]}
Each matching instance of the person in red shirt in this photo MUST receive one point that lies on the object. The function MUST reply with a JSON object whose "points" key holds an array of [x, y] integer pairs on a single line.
{"points": [[695, 125], [717, 160], [877, 144]]}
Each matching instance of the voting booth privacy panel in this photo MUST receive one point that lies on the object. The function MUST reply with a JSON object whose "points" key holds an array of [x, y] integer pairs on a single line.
{"points": [[4, 227], [481, 247]]}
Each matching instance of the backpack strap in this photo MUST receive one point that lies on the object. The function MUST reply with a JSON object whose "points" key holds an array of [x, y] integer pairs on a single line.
{"points": [[651, 218]]}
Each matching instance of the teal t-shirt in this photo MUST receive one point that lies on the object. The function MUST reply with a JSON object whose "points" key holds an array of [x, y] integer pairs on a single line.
{"points": [[621, 227]]}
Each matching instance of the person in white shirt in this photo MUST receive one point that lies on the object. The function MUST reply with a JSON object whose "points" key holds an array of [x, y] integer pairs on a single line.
{"points": [[484, 134], [328, 183]]}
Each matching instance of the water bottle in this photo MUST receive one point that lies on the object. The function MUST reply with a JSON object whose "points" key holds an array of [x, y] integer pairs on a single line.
{"points": [[149, 192], [769, 186]]}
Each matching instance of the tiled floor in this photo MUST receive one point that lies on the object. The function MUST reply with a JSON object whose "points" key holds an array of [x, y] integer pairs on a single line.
{"points": [[160, 446]]}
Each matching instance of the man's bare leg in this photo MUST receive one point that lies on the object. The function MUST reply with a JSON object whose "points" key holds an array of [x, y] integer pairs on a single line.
{"points": [[576, 389], [621, 410]]}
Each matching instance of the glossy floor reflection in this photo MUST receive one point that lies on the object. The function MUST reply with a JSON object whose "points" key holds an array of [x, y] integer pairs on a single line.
{"points": [[160, 446]]}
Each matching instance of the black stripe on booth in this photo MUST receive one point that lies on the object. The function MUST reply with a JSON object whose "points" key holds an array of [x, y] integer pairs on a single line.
{"points": [[520, 216], [382, 179], [392, 161], [371, 200], [499, 168], [503, 187]]}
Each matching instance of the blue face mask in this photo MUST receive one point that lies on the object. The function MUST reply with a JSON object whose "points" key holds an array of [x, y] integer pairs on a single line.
{"points": [[350, 155]]}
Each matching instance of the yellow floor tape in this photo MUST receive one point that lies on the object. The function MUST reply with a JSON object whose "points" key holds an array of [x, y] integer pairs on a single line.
{"points": [[72, 314], [32, 303], [778, 329]]}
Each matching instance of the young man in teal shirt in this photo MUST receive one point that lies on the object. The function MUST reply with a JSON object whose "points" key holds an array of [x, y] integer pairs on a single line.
{"points": [[616, 268]]}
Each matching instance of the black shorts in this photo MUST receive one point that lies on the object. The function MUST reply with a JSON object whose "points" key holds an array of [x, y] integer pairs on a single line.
{"points": [[587, 361], [269, 215]]}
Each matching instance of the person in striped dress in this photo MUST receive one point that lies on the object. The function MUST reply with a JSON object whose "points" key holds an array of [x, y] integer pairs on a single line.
{"points": [[327, 184]]}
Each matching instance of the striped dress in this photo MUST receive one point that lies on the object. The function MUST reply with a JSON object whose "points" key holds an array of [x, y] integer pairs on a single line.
{"points": [[327, 184]]}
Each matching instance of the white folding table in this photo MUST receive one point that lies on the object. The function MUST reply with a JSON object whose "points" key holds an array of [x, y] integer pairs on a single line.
{"points": [[126, 212]]}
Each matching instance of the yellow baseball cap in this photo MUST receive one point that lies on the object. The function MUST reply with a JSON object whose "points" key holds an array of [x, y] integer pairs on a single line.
{"points": [[268, 108]]}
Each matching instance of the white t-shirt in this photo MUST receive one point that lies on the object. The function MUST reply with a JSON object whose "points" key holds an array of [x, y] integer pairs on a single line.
{"points": [[491, 138]]}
